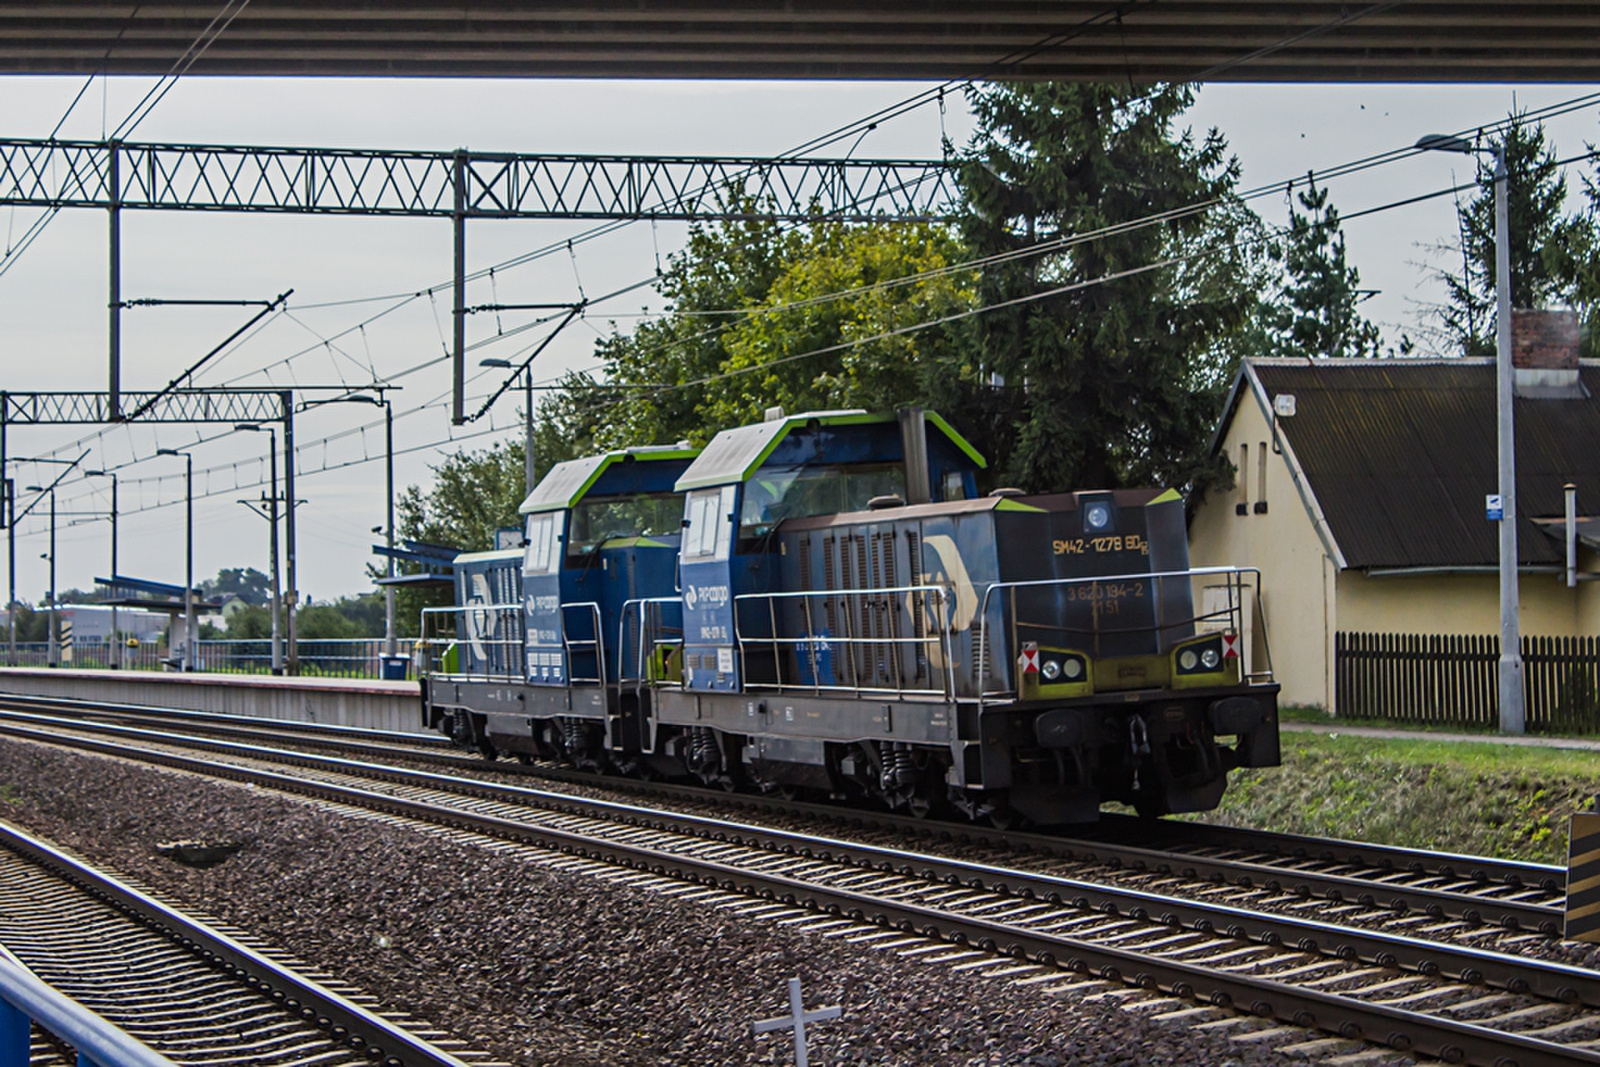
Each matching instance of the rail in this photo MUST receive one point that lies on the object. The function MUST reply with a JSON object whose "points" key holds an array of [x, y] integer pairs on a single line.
{"points": [[24, 997], [858, 609], [655, 633], [1230, 615]]}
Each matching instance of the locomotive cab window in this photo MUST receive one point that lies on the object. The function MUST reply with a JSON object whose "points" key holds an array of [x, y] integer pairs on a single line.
{"points": [[543, 536], [595, 522], [772, 496], [707, 523]]}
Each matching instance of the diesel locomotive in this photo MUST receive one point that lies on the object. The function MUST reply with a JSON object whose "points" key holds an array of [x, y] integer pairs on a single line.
{"points": [[822, 603]]}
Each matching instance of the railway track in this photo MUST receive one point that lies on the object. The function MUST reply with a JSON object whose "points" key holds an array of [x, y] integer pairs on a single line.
{"points": [[195, 994], [1387, 883], [1455, 1002]]}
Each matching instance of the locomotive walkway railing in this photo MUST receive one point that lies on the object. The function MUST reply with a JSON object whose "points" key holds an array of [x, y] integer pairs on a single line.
{"points": [[487, 642], [24, 998], [479, 642], [868, 624], [1101, 597], [655, 638]]}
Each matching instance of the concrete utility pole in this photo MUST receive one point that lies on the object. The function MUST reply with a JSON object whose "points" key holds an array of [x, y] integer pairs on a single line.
{"points": [[189, 633], [116, 640], [1513, 713], [271, 515]]}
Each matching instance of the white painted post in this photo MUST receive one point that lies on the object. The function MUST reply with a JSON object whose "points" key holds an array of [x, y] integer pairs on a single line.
{"points": [[796, 1021]]}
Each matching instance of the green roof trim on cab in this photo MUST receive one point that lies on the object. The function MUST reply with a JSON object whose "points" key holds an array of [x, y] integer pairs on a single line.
{"points": [[566, 483], [735, 455], [936, 419], [1165, 498], [1007, 504]]}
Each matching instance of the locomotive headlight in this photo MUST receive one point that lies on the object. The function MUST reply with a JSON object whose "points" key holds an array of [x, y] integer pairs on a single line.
{"points": [[1187, 659], [1051, 669], [1210, 657], [1073, 669], [1097, 516]]}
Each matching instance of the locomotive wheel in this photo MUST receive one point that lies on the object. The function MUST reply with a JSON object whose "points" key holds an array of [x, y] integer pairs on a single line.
{"points": [[487, 750], [1003, 818], [525, 758]]}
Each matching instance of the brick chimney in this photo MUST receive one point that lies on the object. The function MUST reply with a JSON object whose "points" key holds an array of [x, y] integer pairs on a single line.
{"points": [[1544, 355]]}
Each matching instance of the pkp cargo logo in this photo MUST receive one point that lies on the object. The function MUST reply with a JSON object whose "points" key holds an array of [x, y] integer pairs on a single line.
{"points": [[705, 596]]}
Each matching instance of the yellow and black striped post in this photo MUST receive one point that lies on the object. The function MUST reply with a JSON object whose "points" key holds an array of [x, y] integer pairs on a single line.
{"points": [[1583, 879]]}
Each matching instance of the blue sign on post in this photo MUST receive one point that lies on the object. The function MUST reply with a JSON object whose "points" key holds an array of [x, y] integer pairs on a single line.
{"points": [[1492, 506]]}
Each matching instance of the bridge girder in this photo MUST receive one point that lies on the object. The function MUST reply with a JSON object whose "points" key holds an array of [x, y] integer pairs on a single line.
{"points": [[1139, 40]]}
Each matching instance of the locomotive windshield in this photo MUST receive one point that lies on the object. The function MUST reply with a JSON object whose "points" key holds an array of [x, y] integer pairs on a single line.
{"points": [[774, 495], [645, 515]]}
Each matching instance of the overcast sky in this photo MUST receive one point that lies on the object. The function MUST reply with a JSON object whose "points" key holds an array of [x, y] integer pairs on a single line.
{"points": [[52, 300]]}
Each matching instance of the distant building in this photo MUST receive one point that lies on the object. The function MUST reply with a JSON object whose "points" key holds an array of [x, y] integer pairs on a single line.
{"points": [[92, 622], [1365, 511]]}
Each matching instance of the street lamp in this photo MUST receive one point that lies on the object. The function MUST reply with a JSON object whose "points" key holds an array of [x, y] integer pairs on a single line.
{"points": [[116, 640], [188, 661], [1513, 718], [54, 648], [271, 515], [527, 417]]}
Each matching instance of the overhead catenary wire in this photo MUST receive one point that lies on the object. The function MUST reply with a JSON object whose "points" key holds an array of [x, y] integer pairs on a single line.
{"points": [[1275, 186], [179, 68]]}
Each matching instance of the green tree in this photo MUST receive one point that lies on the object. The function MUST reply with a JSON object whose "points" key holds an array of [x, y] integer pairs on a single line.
{"points": [[803, 347], [246, 583], [1544, 236], [251, 623], [474, 493], [752, 307], [1316, 311], [1130, 268], [320, 622]]}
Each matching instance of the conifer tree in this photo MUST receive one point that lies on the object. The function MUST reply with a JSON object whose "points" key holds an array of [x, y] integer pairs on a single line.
{"points": [[1316, 312], [1542, 231], [1131, 265]]}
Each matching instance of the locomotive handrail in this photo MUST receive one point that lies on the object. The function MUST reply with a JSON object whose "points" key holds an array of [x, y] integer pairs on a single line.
{"points": [[597, 641], [514, 641], [1234, 610], [810, 640], [642, 604]]}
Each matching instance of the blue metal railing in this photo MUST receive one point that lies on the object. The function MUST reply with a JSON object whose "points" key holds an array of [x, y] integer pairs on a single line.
{"points": [[25, 999]]}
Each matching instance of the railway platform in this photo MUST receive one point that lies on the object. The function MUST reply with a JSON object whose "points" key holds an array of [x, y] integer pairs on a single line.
{"points": [[360, 702]]}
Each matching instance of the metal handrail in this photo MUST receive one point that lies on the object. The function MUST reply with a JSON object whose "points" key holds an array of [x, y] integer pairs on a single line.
{"points": [[642, 604], [24, 996], [597, 642], [1235, 609], [428, 641], [942, 642]]}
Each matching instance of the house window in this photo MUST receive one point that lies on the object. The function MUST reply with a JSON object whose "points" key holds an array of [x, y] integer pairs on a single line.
{"points": [[1243, 506], [1261, 481]]}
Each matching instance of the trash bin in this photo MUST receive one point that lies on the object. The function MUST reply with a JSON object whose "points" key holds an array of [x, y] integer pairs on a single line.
{"points": [[394, 668]]}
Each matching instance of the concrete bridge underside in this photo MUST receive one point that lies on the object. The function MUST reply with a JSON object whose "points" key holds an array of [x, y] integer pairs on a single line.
{"points": [[1138, 40]]}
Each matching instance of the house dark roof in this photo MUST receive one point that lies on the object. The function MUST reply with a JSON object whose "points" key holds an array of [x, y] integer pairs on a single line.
{"points": [[1401, 453]]}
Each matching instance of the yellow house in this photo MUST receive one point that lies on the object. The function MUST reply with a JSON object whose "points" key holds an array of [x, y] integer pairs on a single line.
{"points": [[1359, 492]]}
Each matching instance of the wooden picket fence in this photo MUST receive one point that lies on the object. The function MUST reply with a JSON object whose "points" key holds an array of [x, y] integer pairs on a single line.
{"points": [[1451, 680]]}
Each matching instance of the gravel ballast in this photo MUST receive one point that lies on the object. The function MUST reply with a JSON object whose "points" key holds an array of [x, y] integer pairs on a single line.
{"points": [[540, 966]]}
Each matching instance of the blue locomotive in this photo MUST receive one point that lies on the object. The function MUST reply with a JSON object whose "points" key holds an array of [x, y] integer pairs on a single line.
{"points": [[823, 603]]}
